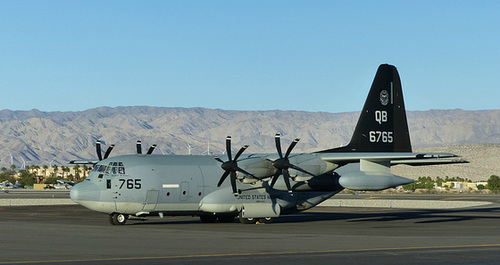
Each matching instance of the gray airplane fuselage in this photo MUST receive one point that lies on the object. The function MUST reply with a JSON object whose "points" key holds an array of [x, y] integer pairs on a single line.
{"points": [[179, 185]]}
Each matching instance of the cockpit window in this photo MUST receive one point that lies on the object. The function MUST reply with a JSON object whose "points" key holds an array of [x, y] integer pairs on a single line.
{"points": [[112, 168], [115, 168]]}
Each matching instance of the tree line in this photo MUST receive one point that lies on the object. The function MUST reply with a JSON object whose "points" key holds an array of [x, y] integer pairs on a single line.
{"points": [[493, 183], [36, 174]]}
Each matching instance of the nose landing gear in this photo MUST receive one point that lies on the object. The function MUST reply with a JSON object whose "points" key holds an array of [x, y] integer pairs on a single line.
{"points": [[118, 218]]}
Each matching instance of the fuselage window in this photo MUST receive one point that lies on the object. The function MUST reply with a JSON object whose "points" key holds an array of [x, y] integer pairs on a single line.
{"points": [[99, 168]]}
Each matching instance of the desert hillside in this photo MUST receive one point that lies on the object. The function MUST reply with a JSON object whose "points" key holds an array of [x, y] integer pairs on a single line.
{"points": [[47, 138], [484, 161]]}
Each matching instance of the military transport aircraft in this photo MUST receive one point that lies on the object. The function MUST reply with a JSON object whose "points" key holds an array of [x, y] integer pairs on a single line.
{"points": [[258, 187]]}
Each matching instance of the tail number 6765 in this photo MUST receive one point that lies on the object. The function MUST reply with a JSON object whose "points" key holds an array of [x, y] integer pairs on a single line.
{"points": [[381, 136]]}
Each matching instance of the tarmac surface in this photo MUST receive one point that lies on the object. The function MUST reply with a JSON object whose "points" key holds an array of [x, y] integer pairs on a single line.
{"points": [[71, 234]]}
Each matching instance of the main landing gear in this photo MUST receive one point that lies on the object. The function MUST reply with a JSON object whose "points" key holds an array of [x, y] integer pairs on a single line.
{"points": [[264, 220], [118, 218], [221, 218], [225, 218]]}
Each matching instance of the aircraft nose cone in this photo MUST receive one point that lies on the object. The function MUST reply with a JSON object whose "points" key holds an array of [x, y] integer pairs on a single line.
{"points": [[85, 191]]}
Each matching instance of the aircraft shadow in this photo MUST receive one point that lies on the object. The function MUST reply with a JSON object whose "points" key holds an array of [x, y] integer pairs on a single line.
{"points": [[419, 216], [352, 215]]}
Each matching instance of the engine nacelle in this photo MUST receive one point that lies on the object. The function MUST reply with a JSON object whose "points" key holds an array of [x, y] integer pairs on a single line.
{"points": [[310, 163], [257, 166], [360, 181]]}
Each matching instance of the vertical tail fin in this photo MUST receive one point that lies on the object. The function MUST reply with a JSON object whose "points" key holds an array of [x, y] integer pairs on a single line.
{"points": [[382, 125]]}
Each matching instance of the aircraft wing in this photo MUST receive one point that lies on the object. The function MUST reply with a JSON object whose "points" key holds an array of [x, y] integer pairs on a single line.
{"points": [[414, 159]]}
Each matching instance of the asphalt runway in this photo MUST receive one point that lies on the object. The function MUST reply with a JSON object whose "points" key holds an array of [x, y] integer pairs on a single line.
{"points": [[327, 235], [33, 194]]}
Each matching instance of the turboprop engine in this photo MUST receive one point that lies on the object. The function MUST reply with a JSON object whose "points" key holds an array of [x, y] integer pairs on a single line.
{"points": [[259, 167], [262, 168], [310, 163]]}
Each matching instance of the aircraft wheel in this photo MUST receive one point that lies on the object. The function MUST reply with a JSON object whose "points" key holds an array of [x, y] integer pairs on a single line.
{"points": [[118, 219], [244, 220], [225, 218], [208, 218], [266, 220]]}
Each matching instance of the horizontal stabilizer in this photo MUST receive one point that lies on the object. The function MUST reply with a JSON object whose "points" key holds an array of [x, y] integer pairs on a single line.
{"points": [[342, 158], [427, 162]]}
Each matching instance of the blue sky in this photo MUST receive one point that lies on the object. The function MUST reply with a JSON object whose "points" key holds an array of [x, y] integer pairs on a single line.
{"points": [[246, 55]]}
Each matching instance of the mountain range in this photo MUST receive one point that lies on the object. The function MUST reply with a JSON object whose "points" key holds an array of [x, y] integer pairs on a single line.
{"points": [[36, 137]]}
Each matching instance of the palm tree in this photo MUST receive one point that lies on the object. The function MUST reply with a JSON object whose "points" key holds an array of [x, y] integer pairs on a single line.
{"points": [[77, 172], [63, 170], [44, 170], [67, 170], [85, 168], [36, 168], [45, 167], [56, 170]]}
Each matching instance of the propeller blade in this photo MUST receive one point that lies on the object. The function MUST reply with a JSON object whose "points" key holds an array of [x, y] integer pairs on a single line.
{"points": [[98, 149], [242, 149], [151, 149], [108, 151], [224, 176], [218, 159], [292, 145], [138, 147], [301, 170], [286, 175], [275, 178], [233, 183], [278, 144], [228, 147]]}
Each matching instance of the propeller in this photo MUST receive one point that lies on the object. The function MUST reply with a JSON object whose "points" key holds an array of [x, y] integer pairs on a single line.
{"points": [[151, 149], [138, 147], [231, 166], [282, 164], [99, 152]]}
